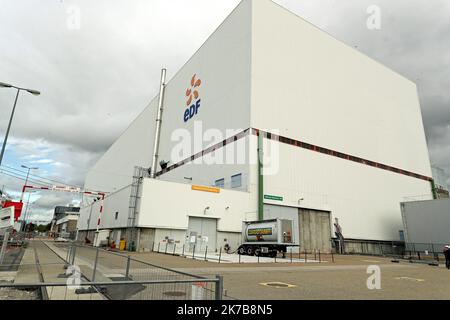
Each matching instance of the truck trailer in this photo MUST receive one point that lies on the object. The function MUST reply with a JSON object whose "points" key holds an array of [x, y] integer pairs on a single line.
{"points": [[266, 237]]}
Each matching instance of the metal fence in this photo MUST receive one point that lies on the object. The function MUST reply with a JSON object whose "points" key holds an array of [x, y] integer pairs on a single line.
{"points": [[11, 252], [371, 247], [89, 273], [396, 249], [165, 283], [203, 253], [204, 289], [425, 251]]}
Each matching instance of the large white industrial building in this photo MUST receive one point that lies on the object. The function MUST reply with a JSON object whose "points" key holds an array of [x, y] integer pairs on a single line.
{"points": [[341, 135]]}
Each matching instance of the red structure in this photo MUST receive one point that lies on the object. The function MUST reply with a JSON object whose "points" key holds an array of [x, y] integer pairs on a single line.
{"points": [[17, 208], [73, 190]]}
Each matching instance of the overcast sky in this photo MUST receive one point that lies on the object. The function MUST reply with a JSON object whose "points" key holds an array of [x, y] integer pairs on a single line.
{"points": [[98, 75]]}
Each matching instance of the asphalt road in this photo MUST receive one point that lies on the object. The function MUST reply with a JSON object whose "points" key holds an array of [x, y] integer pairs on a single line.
{"points": [[345, 279]]}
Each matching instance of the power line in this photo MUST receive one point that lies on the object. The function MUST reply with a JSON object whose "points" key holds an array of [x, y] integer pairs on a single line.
{"points": [[23, 179], [37, 176], [24, 174]]}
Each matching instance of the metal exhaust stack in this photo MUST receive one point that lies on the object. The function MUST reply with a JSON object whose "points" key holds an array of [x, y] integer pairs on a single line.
{"points": [[158, 124]]}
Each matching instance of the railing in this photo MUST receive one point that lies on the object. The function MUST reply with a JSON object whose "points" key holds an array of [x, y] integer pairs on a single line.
{"points": [[143, 280], [396, 249], [204, 289], [371, 247], [204, 253], [425, 251]]}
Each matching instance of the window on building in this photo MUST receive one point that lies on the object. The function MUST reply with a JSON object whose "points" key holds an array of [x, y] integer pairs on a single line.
{"points": [[220, 183], [236, 181], [117, 214], [401, 234]]}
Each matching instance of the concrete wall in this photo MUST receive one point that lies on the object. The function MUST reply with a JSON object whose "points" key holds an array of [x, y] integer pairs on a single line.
{"points": [[116, 202], [169, 205], [315, 230], [71, 226], [234, 239], [308, 233], [427, 221], [146, 239], [180, 239]]}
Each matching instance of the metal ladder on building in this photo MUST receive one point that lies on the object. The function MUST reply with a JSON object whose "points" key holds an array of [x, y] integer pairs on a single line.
{"points": [[133, 207]]}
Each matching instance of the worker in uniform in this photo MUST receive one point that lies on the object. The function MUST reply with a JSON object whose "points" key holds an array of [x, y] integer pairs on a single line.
{"points": [[447, 256], [339, 236]]}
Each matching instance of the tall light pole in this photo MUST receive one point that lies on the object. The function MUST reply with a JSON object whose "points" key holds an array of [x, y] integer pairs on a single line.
{"points": [[26, 180], [25, 215], [90, 214], [6, 85]]}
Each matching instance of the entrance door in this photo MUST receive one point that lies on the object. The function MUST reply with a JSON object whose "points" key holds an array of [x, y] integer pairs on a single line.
{"points": [[202, 232], [314, 230]]}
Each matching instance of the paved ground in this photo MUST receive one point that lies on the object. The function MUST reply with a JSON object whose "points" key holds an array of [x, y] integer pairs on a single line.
{"points": [[52, 268], [13, 256], [346, 278]]}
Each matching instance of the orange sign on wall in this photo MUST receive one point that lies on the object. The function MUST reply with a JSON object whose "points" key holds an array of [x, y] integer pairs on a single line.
{"points": [[206, 189]]}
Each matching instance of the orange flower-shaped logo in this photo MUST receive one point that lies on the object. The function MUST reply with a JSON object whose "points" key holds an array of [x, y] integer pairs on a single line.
{"points": [[192, 92]]}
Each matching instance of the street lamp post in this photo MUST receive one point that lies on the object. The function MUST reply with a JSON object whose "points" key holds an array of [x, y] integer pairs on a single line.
{"points": [[6, 85], [28, 206], [26, 179], [25, 215], [21, 196], [90, 214]]}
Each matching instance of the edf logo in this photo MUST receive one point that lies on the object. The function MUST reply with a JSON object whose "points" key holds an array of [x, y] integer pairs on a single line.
{"points": [[193, 101]]}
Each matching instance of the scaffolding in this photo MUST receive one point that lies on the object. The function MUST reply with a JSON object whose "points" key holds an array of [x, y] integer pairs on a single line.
{"points": [[133, 209]]}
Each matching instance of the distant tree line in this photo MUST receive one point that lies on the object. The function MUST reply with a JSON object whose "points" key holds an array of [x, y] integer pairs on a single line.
{"points": [[30, 227]]}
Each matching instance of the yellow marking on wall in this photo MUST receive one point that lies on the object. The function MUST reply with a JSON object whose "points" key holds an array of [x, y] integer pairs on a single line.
{"points": [[205, 189]]}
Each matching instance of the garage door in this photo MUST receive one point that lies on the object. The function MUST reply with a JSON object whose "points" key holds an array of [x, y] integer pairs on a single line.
{"points": [[202, 232], [314, 230]]}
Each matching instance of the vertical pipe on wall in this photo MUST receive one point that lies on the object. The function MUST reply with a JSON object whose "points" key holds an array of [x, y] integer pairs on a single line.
{"points": [[158, 124], [433, 189], [260, 178]]}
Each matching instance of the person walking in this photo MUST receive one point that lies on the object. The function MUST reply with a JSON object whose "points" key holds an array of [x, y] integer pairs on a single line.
{"points": [[447, 256]]}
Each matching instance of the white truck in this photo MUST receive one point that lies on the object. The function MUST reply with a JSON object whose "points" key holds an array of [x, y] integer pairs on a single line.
{"points": [[266, 237]]}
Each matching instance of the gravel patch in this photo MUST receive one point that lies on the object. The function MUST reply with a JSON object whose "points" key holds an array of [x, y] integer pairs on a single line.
{"points": [[18, 294]]}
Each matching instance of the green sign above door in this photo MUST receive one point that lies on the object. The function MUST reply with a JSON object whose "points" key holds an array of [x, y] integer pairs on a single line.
{"points": [[270, 197]]}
